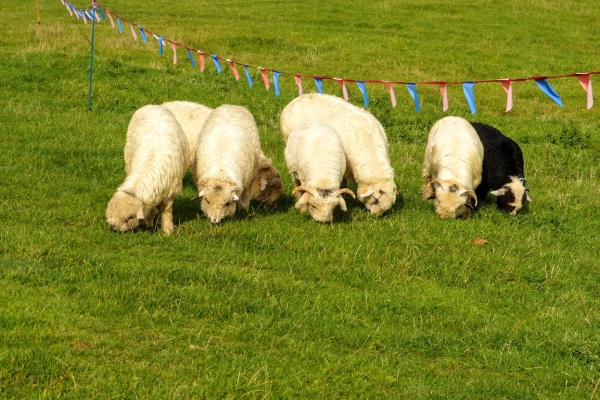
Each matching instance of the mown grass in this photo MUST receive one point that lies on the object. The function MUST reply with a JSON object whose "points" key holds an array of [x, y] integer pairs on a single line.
{"points": [[271, 304]]}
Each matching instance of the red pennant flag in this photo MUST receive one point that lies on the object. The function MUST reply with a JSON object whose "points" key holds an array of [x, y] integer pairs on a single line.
{"points": [[390, 89], [343, 86], [133, 32], [444, 91], [507, 85], [586, 82], [174, 53], [234, 70], [298, 80], [201, 60], [265, 79], [112, 23]]}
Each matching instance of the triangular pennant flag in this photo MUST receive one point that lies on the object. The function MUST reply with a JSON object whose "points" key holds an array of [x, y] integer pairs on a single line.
{"points": [[174, 47], [201, 60], [95, 13], [507, 85], [363, 89], [98, 8], [548, 90], [343, 86], [390, 90], [444, 91], [586, 82], [120, 26], [298, 80], [160, 45], [133, 32], [236, 75], [84, 16], [412, 89], [265, 79], [69, 9], [143, 35], [192, 61], [112, 23], [215, 59], [248, 77], [470, 95], [319, 84], [276, 82]]}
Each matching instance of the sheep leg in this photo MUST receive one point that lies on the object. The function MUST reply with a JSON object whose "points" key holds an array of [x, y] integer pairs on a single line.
{"points": [[428, 191], [166, 217]]}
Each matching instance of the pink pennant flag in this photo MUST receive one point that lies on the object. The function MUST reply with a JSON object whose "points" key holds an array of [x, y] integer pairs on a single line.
{"points": [[390, 89], [233, 69], [174, 53], [201, 60], [112, 23], [69, 9], [97, 15], [444, 91], [343, 86], [298, 80], [507, 85], [84, 15], [265, 79], [586, 82], [133, 32]]}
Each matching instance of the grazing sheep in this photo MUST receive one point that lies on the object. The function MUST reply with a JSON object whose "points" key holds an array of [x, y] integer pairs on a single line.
{"points": [[502, 170], [364, 141], [192, 116], [316, 160], [226, 162], [156, 153], [452, 167]]}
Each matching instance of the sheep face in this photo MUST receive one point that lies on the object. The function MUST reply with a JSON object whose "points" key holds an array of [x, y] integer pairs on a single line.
{"points": [[320, 203], [378, 197], [219, 199], [125, 212], [512, 196], [451, 202], [270, 184]]}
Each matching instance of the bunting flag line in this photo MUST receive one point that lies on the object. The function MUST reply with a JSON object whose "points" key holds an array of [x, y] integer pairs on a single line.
{"points": [[584, 78]]}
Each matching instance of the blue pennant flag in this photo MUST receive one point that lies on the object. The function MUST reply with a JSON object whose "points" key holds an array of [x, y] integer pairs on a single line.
{"points": [[549, 91], [363, 89], [248, 77], [143, 35], [101, 11], [120, 26], [319, 84], [216, 61], [276, 82], [160, 45], [189, 53], [412, 89], [470, 95]]}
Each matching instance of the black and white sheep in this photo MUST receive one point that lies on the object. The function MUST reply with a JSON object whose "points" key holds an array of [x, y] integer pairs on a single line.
{"points": [[502, 170]]}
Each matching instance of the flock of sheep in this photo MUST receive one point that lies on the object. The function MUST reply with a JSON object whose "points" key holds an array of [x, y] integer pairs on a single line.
{"points": [[328, 142]]}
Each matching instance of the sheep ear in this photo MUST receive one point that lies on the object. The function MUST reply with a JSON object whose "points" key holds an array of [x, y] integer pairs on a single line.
{"points": [[199, 195], [263, 184], [302, 202], [527, 197], [264, 162], [342, 203], [470, 198], [367, 191], [498, 192], [140, 216], [437, 184], [236, 198]]}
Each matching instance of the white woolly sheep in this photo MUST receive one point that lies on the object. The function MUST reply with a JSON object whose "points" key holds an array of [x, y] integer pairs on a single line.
{"points": [[226, 162], [156, 153], [316, 160], [364, 141], [192, 116], [452, 167]]}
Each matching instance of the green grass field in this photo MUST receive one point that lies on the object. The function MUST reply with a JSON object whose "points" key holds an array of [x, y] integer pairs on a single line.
{"points": [[272, 304]]}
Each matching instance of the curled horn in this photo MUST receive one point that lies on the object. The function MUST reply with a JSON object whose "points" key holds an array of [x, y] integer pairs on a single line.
{"points": [[473, 196], [310, 190], [344, 190]]}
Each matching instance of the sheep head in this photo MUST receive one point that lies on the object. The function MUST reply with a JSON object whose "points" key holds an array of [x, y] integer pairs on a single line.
{"points": [[512, 196], [269, 183], [125, 212], [452, 201], [378, 197], [219, 199], [320, 203]]}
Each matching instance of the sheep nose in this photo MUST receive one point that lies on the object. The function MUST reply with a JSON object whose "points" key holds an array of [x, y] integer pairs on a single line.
{"points": [[215, 219]]}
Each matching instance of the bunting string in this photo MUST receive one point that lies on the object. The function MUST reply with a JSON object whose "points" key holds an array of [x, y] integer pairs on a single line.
{"points": [[542, 83]]}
